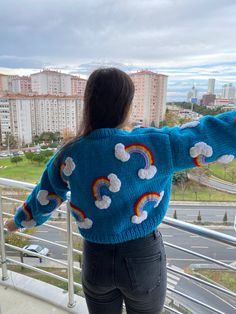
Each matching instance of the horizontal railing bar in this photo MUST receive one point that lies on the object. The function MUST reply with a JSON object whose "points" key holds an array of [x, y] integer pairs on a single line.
{"points": [[226, 291], [40, 255], [17, 184], [196, 301], [201, 231], [44, 272], [12, 199], [50, 226], [171, 309], [44, 240], [200, 255]]}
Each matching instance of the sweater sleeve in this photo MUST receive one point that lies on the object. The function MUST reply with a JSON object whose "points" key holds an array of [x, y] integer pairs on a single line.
{"points": [[211, 139], [48, 195]]}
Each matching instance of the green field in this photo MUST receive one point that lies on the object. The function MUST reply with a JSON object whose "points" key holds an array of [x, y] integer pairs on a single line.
{"points": [[196, 192], [225, 172], [31, 172], [23, 171]]}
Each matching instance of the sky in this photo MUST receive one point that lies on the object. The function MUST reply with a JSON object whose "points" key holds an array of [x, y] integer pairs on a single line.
{"points": [[188, 40]]}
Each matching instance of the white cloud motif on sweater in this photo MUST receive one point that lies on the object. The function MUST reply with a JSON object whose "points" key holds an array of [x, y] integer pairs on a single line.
{"points": [[191, 124], [42, 197], [120, 153], [225, 159], [104, 203], [86, 224], [69, 166], [28, 223], [147, 173], [201, 148], [115, 183], [139, 219]]}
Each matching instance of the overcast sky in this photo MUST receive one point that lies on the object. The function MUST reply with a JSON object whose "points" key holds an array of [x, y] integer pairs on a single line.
{"points": [[188, 40]]}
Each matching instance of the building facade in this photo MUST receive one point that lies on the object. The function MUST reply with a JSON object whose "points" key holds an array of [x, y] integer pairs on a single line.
{"points": [[49, 82], [25, 116], [78, 86], [211, 86], [228, 91], [149, 103]]}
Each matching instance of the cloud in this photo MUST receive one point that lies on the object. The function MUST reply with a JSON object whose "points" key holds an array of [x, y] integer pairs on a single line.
{"points": [[139, 219], [177, 38], [121, 153], [201, 148], [104, 203], [148, 173], [86, 224], [28, 223], [115, 183], [42, 197], [192, 124], [69, 166]]}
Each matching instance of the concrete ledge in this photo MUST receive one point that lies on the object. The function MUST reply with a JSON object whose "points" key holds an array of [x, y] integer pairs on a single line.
{"points": [[44, 292]]}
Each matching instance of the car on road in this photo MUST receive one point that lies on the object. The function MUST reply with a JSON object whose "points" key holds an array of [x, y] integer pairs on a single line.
{"points": [[36, 249]]}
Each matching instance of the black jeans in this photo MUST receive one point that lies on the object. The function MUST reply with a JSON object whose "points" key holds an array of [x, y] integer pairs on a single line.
{"points": [[133, 272]]}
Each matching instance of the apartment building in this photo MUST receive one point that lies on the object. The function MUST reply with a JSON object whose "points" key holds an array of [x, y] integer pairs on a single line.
{"points": [[149, 103], [25, 116]]}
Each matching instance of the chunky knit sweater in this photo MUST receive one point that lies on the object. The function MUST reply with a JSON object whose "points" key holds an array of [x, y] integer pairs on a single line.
{"points": [[119, 182]]}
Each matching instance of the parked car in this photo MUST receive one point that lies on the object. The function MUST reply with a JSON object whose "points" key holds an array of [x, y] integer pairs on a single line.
{"points": [[36, 249]]}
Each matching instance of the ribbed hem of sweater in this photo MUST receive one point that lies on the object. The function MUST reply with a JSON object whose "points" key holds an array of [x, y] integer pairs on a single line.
{"points": [[138, 231]]}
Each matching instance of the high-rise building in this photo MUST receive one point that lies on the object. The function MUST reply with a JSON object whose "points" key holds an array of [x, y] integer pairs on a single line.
{"points": [[3, 83], [25, 116], [149, 103], [228, 91], [49, 82], [78, 86], [211, 86], [21, 85]]}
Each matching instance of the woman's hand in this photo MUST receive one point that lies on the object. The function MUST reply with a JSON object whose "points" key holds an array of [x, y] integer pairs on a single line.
{"points": [[10, 225]]}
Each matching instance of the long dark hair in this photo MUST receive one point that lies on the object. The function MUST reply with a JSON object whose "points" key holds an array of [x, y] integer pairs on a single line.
{"points": [[107, 99]]}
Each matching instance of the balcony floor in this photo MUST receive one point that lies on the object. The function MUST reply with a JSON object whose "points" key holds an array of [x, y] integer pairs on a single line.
{"points": [[23, 303]]}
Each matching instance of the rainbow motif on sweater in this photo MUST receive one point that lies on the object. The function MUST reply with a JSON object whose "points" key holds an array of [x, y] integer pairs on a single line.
{"points": [[112, 182], [140, 213], [123, 153], [29, 222], [27, 211], [83, 221]]}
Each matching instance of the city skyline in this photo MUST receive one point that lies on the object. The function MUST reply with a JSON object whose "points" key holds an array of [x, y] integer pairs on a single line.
{"points": [[187, 40]]}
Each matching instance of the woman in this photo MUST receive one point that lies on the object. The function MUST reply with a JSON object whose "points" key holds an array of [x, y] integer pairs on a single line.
{"points": [[120, 185]]}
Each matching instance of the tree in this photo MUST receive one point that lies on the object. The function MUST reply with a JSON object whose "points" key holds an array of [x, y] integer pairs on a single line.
{"points": [[67, 134], [16, 159], [175, 214], [10, 141], [225, 218], [39, 158], [199, 217], [29, 156]]}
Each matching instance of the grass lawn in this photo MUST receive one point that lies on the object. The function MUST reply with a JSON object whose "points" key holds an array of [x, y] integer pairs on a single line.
{"points": [[225, 278], [225, 172], [31, 172], [23, 171], [196, 192]]}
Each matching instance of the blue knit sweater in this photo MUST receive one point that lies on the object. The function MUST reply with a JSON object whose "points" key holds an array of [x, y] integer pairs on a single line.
{"points": [[120, 182]]}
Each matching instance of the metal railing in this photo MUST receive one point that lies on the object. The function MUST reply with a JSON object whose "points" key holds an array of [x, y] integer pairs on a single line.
{"points": [[187, 227]]}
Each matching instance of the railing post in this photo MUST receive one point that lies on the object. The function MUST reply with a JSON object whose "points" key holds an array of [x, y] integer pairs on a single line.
{"points": [[3, 248], [71, 302]]}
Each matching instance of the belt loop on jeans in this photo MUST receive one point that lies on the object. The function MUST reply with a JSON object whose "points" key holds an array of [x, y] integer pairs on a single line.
{"points": [[154, 234]]}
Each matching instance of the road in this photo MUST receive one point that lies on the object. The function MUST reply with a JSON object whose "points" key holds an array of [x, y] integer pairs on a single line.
{"points": [[175, 257], [209, 213], [214, 183]]}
